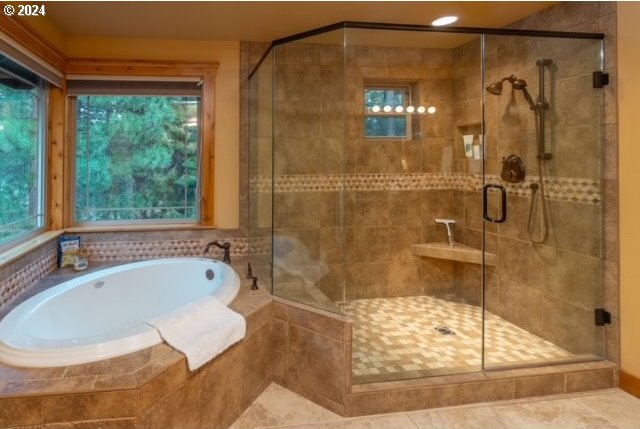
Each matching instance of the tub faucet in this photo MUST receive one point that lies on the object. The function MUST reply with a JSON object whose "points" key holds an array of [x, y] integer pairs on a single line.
{"points": [[448, 223], [226, 258]]}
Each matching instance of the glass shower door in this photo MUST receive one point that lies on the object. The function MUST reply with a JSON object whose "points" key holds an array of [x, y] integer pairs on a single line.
{"points": [[542, 227]]}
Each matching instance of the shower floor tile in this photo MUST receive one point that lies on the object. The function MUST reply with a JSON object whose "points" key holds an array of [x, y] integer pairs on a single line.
{"points": [[396, 338]]}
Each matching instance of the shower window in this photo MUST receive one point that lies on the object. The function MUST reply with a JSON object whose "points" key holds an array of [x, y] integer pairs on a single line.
{"points": [[137, 158], [22, 152], [386, 115]]}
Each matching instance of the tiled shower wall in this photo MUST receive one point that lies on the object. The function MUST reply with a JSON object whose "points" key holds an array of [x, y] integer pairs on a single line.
{"points": [[347, 209], [553, 289], [391, 190]]}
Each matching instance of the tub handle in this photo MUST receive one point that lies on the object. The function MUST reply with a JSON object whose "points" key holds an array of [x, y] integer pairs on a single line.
{"points": [[249, 271], [226, 246]]}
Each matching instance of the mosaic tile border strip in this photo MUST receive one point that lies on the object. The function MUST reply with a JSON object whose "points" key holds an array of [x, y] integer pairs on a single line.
{"points": [[14, 285], [361, 182], [139, 249], [580, 190]]}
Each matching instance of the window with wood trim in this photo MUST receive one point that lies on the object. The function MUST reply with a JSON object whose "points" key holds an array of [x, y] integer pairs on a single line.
{"points": [[137, 156], [22, 152], [139, 149]]}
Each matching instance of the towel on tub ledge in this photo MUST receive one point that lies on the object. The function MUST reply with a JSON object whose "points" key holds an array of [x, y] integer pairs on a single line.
{"points": [[201, 330]]}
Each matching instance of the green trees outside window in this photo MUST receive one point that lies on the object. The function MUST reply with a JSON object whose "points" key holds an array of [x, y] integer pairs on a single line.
{"points": [[381, 119], [21, 157], [137, 158]]}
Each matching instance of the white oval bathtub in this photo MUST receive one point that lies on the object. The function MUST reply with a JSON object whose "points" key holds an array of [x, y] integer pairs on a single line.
{"points": [[102, 314]]}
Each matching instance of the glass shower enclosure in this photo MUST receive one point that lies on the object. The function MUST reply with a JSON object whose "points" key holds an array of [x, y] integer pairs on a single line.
{"points": [[441, 188]]}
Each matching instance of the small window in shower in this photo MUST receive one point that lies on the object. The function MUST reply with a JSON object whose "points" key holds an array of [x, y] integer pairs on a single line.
{"points": [[386, 114]]}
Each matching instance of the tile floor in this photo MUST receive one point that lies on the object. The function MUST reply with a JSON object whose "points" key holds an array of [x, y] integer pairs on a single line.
{"points": [[278, 407], [396, 338]]}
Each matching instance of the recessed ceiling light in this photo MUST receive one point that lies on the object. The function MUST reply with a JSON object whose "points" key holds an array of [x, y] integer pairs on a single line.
{"points": [[444, 20]]}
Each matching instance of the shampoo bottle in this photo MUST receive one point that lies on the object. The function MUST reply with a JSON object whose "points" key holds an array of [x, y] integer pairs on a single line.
{"points": [[481, 142], [468, 145]]}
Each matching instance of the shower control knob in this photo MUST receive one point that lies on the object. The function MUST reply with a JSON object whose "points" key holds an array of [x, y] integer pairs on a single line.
{"points": [[512, 169]]}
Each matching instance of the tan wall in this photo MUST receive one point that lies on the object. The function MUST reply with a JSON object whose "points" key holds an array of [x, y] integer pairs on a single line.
{"points": [[629, 135], [227, 98], [47, 29]]}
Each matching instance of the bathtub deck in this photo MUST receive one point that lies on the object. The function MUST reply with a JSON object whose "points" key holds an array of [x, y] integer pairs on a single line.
{"points": [[130, 371]]}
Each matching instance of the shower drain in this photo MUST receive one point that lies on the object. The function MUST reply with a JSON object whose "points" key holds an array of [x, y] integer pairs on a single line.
{"points": [[444, 330]]}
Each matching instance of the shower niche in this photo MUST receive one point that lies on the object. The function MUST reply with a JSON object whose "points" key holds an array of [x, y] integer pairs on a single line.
{"points": [[357, 146]]}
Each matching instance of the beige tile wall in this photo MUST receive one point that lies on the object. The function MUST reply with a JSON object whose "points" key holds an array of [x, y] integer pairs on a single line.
{"points": [[370, 228], [312, 354], [354, 244], [552, 289]]}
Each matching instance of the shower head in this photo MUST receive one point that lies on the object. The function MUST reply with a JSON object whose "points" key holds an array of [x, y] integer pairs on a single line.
{"points": [[521, 84], [495, 88]]}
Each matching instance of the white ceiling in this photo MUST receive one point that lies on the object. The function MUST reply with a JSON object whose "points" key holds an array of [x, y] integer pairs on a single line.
{"points": [[264, 21]]}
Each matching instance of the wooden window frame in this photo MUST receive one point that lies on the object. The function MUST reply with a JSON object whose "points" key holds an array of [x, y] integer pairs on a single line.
{"points": [[62, 212], [43, 170]]}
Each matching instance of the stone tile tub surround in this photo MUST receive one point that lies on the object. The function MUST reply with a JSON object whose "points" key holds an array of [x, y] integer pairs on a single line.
{"points": [[149, 388], [17, 277], [304, 349]]}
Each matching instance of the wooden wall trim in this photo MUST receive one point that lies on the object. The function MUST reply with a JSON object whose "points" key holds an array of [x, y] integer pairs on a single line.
{"points": [[208, 151], [116, 67], [629, 383], [29, 39], [56, 155]]}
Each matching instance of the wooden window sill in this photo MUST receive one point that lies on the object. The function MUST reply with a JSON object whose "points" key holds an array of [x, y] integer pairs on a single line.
{"points": [[28, 246]]}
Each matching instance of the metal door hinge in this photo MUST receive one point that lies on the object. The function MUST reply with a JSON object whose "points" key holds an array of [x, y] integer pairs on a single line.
{"points": [[600, 79], [603, 317]]}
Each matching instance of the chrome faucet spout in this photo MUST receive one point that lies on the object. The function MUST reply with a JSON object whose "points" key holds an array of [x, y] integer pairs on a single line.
{"points": [[226, 246], [448, 223]]}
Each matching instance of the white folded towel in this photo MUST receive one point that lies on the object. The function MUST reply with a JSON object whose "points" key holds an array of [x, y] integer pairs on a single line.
{"points": [[201, 330]]}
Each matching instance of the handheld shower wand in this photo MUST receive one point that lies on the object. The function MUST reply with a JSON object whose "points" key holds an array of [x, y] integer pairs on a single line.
{"points": [[539, 109]]}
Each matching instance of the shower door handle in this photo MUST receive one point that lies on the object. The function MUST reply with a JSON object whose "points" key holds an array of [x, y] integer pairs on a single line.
{"points": [[485, 203]]}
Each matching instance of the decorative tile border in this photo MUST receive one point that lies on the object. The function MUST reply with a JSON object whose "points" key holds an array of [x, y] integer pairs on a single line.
{"points": [[579, 190], [360, 182], [138, 249], [14, 285]]}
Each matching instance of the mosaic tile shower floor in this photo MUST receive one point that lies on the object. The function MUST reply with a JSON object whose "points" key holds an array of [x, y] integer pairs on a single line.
{"points": [[396, 338]]}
